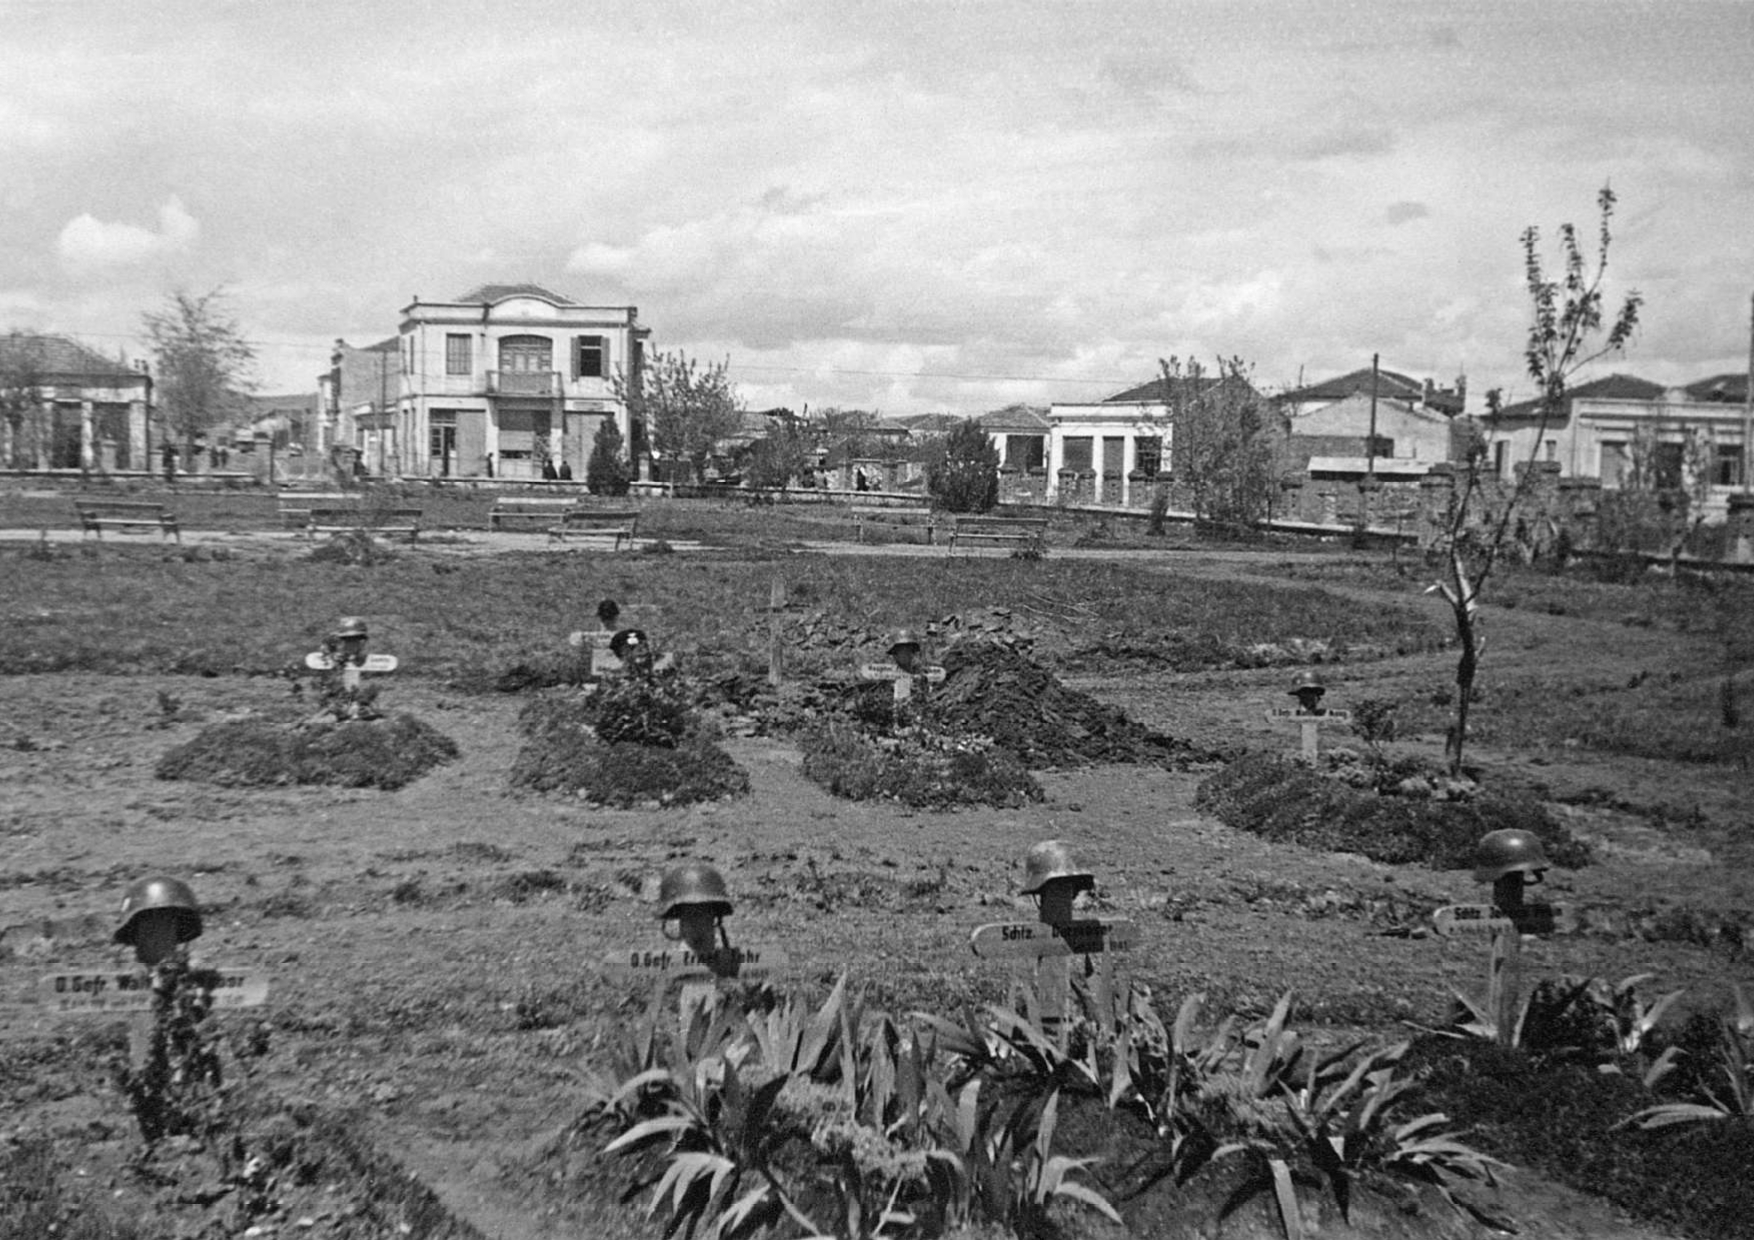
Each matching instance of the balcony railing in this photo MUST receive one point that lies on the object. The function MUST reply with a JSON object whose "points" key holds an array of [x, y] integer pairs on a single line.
{"points": [[523, 382]]}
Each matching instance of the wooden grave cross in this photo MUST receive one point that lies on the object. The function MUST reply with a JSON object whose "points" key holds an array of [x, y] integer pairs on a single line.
{"points": [[902, 680], [1048, 945], [1507, 920], [1309, 723], [701, 958], [371, 664]]}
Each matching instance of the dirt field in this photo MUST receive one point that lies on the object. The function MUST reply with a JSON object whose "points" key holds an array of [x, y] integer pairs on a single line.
{"points": [[434, 951]]}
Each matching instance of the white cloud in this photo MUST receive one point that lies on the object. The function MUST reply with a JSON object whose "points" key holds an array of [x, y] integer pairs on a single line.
{"points": [[88, 244]]}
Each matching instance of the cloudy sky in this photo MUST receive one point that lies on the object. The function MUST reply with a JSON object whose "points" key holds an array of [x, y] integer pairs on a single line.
{"points": [[898, 206]]}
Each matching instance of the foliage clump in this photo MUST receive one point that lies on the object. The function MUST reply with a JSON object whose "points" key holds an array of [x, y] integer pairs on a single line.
{"points": [[1570, 1117], [386, 753], [759, 1111], [965, 478], [631, 744], [1284, 800], [606, 471]]}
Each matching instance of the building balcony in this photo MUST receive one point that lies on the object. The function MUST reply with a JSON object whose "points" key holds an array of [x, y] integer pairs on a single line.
{"points": [[523, 383]]}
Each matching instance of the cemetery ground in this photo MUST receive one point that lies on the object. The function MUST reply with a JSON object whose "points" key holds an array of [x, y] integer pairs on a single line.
{"points": [[437, 1004]]}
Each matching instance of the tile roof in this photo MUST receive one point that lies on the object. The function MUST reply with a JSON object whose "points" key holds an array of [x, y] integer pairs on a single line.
{"points": [[1731, 388], [1609, 387], [487, 294], [1154, 390], [60, 355], [1017, 419], [1389, 383]]}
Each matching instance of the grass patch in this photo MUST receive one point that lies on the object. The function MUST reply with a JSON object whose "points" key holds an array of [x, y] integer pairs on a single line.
{"points": [[382, 753], [135, 611], [1560, 1119], [1285, 801]]}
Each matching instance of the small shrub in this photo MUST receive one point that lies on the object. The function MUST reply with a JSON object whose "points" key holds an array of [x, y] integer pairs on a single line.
{"points": [[641, 710], [352, 547]]}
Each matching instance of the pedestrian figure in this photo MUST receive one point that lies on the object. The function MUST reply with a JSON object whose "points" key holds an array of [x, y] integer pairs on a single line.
{"points": [[490, 464], [566, 471], [548, 474], [170, 462]]}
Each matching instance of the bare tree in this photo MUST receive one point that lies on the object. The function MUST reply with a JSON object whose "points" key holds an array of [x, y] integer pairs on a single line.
{"points": [[21, 397], [206, 367], [1567, 332], [685, 408]]}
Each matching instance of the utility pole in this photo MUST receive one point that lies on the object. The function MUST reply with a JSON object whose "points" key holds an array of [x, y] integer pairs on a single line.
{"points": [[1370, 448], [1748, 411]]}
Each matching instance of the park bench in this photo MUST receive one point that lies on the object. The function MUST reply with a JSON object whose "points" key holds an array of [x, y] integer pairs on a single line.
{"points": [[386, 522], [618, 524], [97, 515], [872, 521], [515, 510], [1028, 534], [294, 507]]}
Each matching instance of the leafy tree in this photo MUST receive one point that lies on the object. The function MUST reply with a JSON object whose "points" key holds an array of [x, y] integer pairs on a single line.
{"points": [[965, 477], [1662, 496], [685, 408], [606, 471], [852, 435], [1567, 331], [1223, 439], [780, 455], [205, 365], [21, 397]]}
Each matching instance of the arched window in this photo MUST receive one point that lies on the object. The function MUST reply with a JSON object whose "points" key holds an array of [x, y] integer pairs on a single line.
{"points": [[524, 355]]}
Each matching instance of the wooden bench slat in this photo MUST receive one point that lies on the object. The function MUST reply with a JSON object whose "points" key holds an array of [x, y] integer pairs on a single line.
{"points": [[384, 521], [527, 508], [96, 515], [925, 518], [600, 522], [1028, 533]]}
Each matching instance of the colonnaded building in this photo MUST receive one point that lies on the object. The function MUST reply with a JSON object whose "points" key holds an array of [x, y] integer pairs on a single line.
{"points": [[496, 382]]}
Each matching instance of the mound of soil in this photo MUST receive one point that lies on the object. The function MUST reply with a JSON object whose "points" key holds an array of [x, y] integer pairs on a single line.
{"points": [[1282, 800], [599, 749], [995, 690], [385, 753]]}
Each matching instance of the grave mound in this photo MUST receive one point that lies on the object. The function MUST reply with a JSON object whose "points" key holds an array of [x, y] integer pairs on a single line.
{"points": [[992, 689], [631, 745], [386, 753], [1287, 801]]}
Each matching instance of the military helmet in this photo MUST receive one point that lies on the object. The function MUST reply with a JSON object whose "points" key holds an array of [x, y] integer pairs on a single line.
{"points": [[904, 637], [693, 884], [629, 643], [1307, 682], [1051, 860], [1507, 850], [351, 626], [156, 893]]}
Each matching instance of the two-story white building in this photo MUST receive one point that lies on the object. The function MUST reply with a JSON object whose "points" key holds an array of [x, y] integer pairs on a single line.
{"points": [[508, 377], [1693, 436]]}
